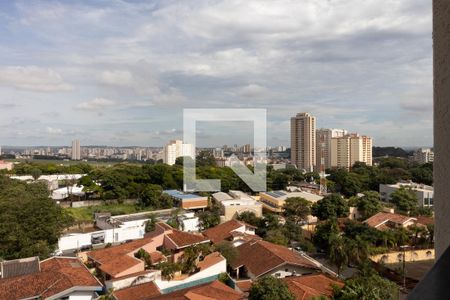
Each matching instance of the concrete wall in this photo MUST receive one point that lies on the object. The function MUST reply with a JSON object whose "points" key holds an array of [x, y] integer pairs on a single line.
{"points": [[441, 45], [412, 255]]}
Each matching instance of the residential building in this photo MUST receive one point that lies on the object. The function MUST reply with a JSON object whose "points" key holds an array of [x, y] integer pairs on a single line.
{"points": [[260, 258], [175, 149], [383, 221], [53, 278], [214, 290], [423, 156], [424, 193], [312, 286], [323, 145], [76, 150], [235, 203], [349, 149], [235, 231], [187, 200], [274, 201], [119, 261], [303, 141]]}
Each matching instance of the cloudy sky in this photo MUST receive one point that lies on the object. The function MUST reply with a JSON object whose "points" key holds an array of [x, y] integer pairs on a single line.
{"points": [[120, 73]]}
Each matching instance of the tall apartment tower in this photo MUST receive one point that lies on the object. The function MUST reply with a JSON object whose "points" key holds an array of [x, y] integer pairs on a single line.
{"points": [[303, 141], [76, 150], [323, 145], [175, 149], [349, 149]]}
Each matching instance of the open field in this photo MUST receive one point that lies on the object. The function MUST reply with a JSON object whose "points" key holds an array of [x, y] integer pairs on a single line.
{"points": [[86, 214]]}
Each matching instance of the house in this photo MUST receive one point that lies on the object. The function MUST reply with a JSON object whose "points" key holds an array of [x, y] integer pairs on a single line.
{"points": [[118, 261], [186, 200], [236, 231], [309, 287], [214, 290], [383, 221], [56, 278], [259, 258]]}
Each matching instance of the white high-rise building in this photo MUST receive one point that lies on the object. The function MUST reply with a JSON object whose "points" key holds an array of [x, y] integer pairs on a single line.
{"points": [[323, 145], [303, 141], [76, 150], [423, 156], [176, 149], [349, 149]]}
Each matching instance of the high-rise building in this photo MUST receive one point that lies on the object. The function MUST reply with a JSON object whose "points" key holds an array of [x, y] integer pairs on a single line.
{"points": [[423, 156], [303, 141], [176, 149], [76, 150], [349, 149], [323, 145]]}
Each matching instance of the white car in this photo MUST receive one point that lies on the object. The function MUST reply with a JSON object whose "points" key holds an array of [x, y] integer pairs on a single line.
{"points": [[57, 252]]}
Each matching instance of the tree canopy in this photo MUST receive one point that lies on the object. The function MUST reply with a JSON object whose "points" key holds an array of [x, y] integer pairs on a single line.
{"points": [[270, 288], [331, 206]]}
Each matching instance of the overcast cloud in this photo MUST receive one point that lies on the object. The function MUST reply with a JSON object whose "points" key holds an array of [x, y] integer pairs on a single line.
{"points": [[120, 73]]}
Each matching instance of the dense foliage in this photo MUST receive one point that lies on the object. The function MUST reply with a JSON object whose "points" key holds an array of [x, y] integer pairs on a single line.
{"points": [[270, 288], [30, 222]]}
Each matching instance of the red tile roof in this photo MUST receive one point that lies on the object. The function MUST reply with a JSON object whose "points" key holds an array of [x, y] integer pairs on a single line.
{"points": [[210, 260], [260, 257], [57, 275], [137, 292], [425, 220], [211, 291], [223, 231], [309, 286], [184, 239], [381, 218]]}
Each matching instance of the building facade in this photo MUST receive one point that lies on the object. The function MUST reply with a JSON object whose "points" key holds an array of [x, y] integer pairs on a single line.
{"points": [[424, 193], [349, 149], [303, 141], [423, 156], [323, 145], [175, 149], [76, 150]]}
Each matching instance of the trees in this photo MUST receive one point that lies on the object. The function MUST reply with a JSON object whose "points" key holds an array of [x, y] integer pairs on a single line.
{"points": [[331, 206], [208, 219], [337, 251], [168, 269], [227, 250], [277, 236], [270, 288], [150, 196], [367, 285], [369, 204], [296, 209], [404, 199], [323, 231], [150, 225], [31, 222]]}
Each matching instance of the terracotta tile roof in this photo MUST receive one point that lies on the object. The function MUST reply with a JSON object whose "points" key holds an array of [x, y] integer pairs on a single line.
{"points": [[137, 292], [156, 257], [425, 220], [57, 275], [244, 285], [260, 257], [210, 260], [222, 231], [116, 259], [184, 239], [211, 291], [382, 218], [309, 286]]}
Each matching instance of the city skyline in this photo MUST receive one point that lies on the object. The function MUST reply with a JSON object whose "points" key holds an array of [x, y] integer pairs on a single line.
{"points": [[121, 74]]}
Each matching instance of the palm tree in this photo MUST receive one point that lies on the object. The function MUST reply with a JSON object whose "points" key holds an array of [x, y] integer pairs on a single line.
{"points": [[357, 250], [338, 255]]}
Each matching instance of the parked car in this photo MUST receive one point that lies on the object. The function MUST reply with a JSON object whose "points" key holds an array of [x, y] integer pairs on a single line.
{"points": [[57, 252]]}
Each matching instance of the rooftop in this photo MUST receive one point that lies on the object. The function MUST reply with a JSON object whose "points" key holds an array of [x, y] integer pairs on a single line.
{"points": [[283, 195], [137, 292], [310, 286], [181, 195], [380, 219], [260, 257], [223, 231], [58, 274]]}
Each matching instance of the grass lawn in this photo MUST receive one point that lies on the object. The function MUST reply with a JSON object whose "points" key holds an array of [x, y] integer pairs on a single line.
{"points": [[86, 214]]}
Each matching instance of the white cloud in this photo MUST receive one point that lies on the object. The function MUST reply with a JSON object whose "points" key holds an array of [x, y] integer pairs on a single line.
{"points": [[252, 91], [95, 104], [33, 78], [117, 78], [54, 131]]}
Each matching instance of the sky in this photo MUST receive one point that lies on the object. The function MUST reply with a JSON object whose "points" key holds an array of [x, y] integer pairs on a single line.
{"points": [[120, 73]]}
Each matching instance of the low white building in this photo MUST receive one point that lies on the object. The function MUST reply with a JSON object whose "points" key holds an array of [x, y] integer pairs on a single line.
{"points": [[424, 193], [234, 203]]}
